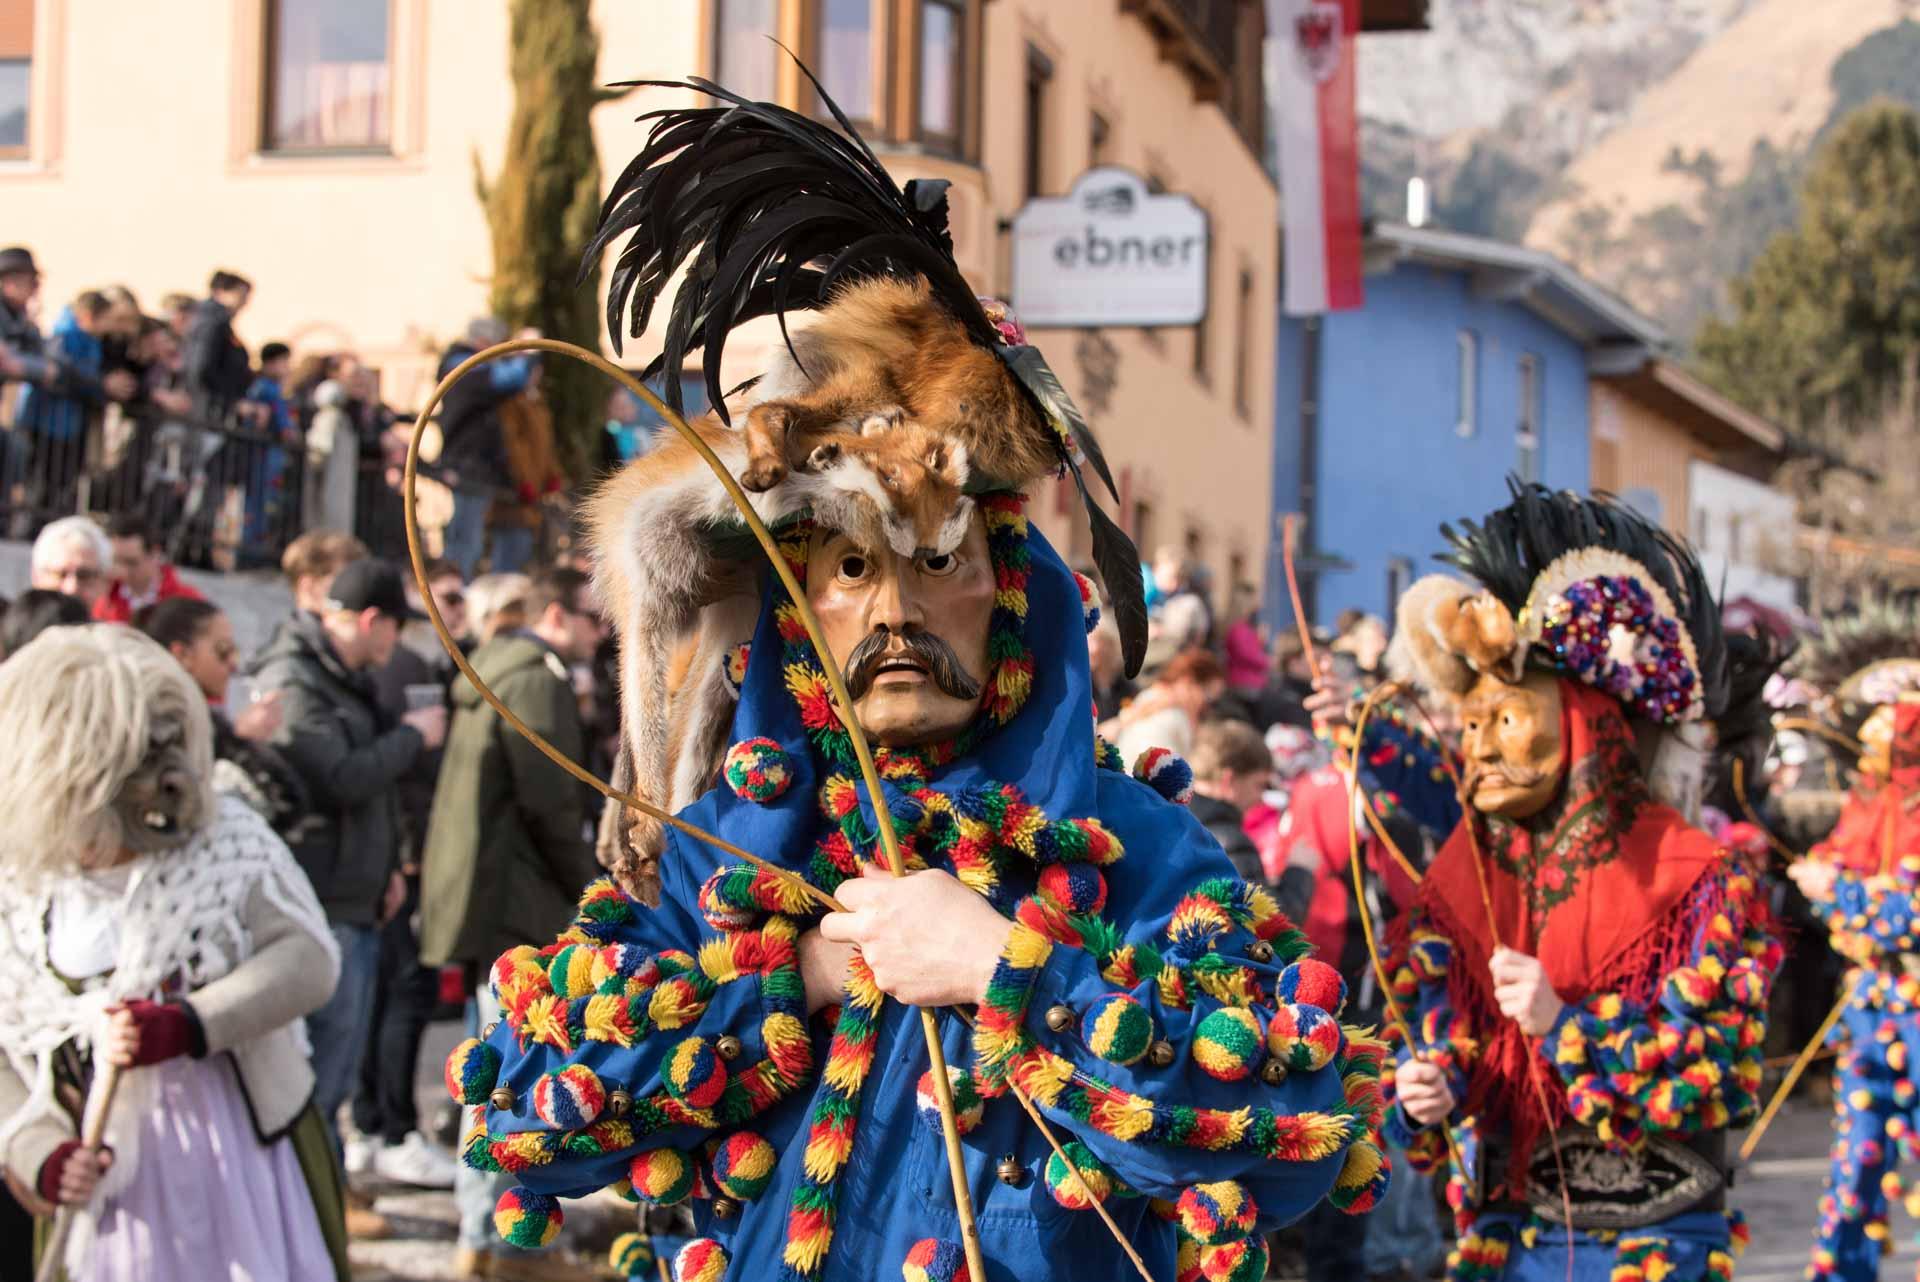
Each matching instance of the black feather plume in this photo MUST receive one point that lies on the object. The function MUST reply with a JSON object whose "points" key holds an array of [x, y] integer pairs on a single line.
{"points": [[1509, 548], [767, 210]]}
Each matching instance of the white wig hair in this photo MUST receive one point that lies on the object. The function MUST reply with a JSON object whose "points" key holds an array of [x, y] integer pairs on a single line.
{"points": [[72, 529], [106, 745]]}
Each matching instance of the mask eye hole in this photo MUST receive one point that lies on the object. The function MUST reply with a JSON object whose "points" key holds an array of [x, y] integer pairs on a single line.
{"points": [[940, 566], [853, 567]]}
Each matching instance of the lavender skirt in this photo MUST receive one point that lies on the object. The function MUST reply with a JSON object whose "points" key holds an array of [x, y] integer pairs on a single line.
{"points": [[208, 1201]]}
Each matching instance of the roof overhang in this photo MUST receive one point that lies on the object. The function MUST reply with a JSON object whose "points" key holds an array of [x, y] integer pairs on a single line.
{"points": [[1714, 420], [1618, 338]]}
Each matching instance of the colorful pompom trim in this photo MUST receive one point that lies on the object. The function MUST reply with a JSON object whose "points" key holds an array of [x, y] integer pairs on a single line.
{"points": [[1227, 1044], [570, 971], [933, 1260], [472, 1069], [1242, 1260], [1303, 1038], [1118, 1029], [631, 1257], [743, 1165], [1097, 1181], [1165, 773], [1089, 601], [1073, 888], [1218, 1212], [695, 1074], [527, 1219], [570, 1098], [1362, 1181], [736, 668], [701, 1260], [758, 770], [1311, 982], [661, 1176], [968, 1107]]}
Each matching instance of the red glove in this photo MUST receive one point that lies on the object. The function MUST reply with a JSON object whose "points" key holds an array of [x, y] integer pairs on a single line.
{"points": [[167, 1030], [525, 491]]}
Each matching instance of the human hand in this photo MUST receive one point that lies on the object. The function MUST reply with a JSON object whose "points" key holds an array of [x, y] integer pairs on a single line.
{"points": [[1423, 1092], [120, 385], [71, 1173], [823, 969], [928, 939], [1328, 705], [1814, 877], [1524, 995], [9, 365], [394, 898], [141, 1033], [430, 722], [260, 720]]}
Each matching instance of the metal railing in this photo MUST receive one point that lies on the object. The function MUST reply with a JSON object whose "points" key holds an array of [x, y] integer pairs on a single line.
{"points": [[219, 492]]}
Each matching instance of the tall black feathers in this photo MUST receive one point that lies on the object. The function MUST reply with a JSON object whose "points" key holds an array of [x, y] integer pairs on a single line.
{"points": [[768, 210], [1510, 548]]}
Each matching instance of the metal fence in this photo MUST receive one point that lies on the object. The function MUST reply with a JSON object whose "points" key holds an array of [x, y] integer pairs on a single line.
{"points": [[218, 493]]}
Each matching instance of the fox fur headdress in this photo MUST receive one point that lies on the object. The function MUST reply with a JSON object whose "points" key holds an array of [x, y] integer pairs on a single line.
{"points": [[904, 396]]}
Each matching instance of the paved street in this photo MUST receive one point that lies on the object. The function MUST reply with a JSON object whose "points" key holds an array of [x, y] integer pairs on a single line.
{"points": [[1777, 1191]]}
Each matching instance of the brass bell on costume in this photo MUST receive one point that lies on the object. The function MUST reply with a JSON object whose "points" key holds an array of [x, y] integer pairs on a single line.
{"points": [[1273, 1072], [502, 1098], [1261, 951], [1160, 1054], [728, 1047], [619, 1103], [486, 1034], [1011, 1172], [1060, 1018], [725, 1208]]}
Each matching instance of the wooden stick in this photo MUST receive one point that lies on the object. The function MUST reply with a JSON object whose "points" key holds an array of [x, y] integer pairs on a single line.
{"points": [[1289, 537], [1366, 915], [1787, 1083], [93, 1132]]}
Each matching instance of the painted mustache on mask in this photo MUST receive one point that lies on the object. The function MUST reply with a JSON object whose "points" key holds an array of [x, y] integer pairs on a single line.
{"points": [[1505, 775], [941, 663]]}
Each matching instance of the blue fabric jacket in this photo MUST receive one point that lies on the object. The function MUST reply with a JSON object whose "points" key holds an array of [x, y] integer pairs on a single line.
{"points": [[62, 415], [895, 1190]]}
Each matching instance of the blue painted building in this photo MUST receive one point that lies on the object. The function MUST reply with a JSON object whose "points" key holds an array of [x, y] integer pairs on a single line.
{"points": [[1469, 361]]}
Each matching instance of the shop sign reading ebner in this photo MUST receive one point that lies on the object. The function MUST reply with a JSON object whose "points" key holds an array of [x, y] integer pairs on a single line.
{"points": [[1110, 252]]}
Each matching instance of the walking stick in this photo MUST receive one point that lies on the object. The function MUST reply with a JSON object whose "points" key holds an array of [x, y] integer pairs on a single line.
{"points": [[93, 1130]]}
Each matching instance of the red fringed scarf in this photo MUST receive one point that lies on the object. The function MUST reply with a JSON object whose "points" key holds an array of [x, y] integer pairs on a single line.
{"points": [[1877, 826], [1598, 886]]}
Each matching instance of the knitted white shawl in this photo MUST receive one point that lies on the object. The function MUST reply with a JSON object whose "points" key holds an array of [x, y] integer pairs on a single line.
{"points": [[180, 927]]}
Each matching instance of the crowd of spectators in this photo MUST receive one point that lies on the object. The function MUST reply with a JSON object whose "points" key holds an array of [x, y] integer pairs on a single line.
{"points": [[434, 836]]}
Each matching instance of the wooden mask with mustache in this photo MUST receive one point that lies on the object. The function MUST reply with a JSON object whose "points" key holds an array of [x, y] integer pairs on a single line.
{"points": [[1510, 738]]}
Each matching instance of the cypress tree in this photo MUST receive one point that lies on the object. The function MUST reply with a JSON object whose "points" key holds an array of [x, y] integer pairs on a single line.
{"points": [[542, 204]]}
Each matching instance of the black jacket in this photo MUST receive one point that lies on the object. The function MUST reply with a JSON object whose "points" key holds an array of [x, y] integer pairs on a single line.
{"points": [[471, 443], [1223, 819], [217, 368], [351, 758]]}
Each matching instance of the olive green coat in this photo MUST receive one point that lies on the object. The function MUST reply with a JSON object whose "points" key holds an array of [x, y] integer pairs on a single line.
{"points": [[507, 853]]}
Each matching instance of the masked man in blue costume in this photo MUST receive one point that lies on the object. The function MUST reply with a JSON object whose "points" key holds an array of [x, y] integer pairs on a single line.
{"points": [[704, 1031]]}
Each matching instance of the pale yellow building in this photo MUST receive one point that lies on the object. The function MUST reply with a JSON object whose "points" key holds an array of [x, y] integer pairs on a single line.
{"points": [[326, 149]]}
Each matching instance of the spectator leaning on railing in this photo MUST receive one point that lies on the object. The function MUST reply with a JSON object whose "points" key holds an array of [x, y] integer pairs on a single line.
{"points": [[218, 371]]}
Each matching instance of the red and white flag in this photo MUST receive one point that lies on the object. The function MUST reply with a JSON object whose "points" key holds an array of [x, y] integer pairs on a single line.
{"points": [[1315, 116]]}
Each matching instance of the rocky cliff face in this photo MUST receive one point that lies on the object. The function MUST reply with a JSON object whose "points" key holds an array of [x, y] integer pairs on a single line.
{"points": [[1655, 144]]}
